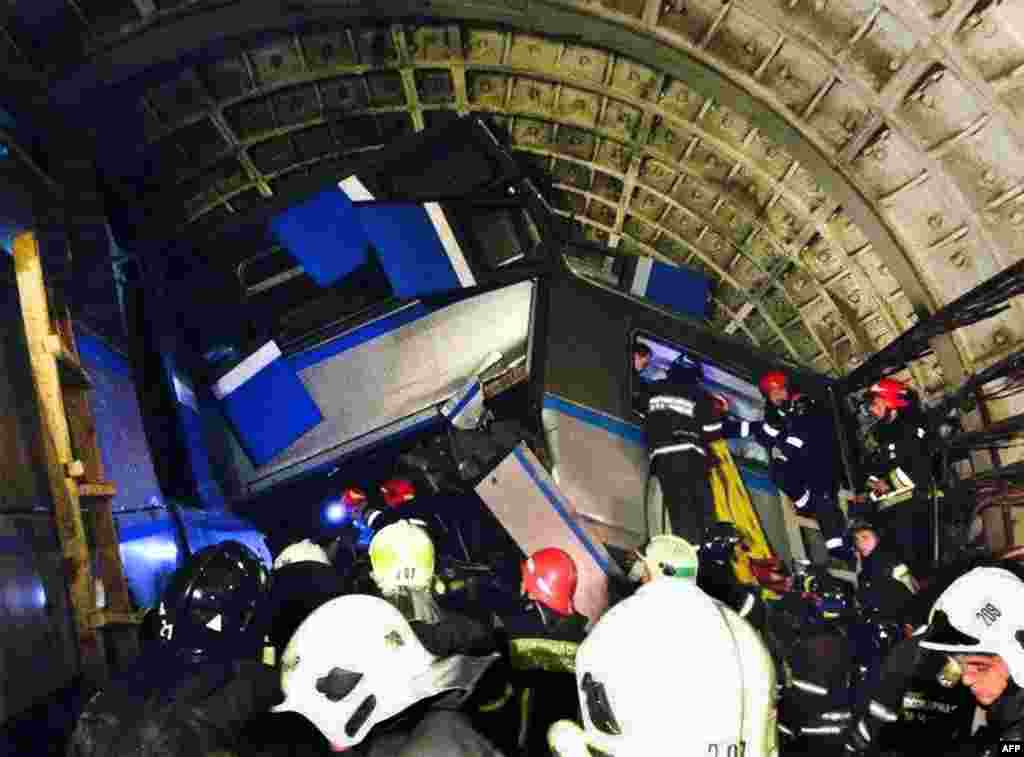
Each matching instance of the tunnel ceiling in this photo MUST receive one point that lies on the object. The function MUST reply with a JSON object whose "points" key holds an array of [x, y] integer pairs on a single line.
{"points": [[875, 146]]}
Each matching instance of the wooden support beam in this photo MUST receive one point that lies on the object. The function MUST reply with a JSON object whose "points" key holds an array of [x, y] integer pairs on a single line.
{"points": [[97, 489], [57, 452], [106, 618], [108, 555], [85, 442]]}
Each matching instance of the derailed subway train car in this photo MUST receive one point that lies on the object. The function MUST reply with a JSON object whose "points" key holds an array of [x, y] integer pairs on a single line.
{"points": [[590, 417]]}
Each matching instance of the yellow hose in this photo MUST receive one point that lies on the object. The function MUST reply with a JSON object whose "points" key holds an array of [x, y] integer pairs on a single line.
{"points": [[732, 503]]}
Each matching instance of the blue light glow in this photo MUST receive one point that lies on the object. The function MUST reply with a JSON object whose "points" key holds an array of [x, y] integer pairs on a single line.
{"points": [[335, 512]]}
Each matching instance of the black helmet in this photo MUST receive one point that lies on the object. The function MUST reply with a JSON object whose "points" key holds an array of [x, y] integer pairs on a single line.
{"points": [[720, 541], [215, 604], [684, 371]]}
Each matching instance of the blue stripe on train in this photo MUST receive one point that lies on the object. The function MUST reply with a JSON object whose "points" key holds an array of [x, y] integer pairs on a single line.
{"points": [[753, 479]]}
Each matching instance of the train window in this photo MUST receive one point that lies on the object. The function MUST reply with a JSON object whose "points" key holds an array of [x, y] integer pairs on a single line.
{"points": [[651, 359]]}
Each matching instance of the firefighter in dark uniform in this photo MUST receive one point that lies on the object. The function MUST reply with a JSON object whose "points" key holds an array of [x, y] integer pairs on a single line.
{"points": [[901, 461], [679, 416], [798, 436], [199, 680], [885, 585], [540, 642], [972, 637], [717, 576]]}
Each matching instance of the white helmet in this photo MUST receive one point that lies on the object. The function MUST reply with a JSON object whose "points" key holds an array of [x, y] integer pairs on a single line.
{"points": [[982, 612], [301, 551], [672, 671], [355, 661], [671, 556]]}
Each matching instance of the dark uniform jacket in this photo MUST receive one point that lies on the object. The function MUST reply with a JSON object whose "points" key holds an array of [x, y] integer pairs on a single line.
{"points": [[296, 590], [207, 704], [904, 450], [535, 685], [678, 418], [879, 588], [455, 634], [800, 444], [1005, 723], [441, 733]]}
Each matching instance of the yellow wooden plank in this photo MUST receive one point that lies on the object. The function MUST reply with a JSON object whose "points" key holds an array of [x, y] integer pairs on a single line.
{"points": [[102, 618], [97, 489], [57, 450]]}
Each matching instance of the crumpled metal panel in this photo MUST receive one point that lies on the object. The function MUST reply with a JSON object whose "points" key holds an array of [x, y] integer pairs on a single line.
{"points": [[404, 371]]}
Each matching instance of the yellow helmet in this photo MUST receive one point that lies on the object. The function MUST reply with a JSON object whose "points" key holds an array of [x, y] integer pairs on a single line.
{"points": [[669, 555], [402, 554]]}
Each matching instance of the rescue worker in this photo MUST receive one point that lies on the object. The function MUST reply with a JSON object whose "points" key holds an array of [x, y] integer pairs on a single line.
{"points": [[902, 460], [718, 576], [303, 579], [973, 637], [679, 415], [536, 686], [799, 440], [811, 624], [631, 674], [356, 662], [643, 364], [885, 585], [402, 564], [193, 689]]}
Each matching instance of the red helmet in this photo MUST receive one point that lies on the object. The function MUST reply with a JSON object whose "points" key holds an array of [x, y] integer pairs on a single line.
{"points": [[549, 577], [772, 380], [895, 394], [353, 498], [721, 405], [397, 492]]}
